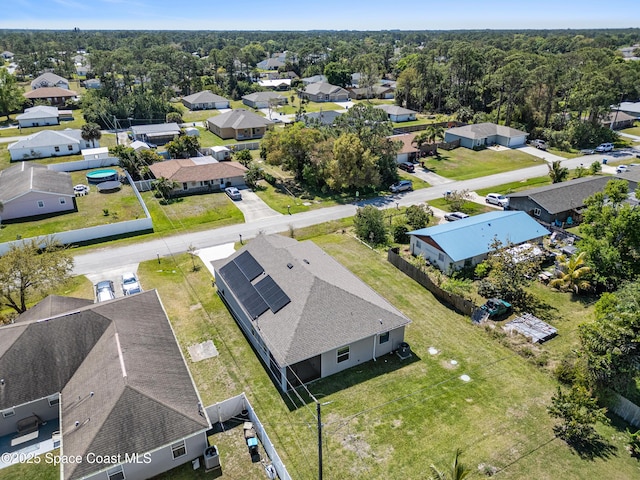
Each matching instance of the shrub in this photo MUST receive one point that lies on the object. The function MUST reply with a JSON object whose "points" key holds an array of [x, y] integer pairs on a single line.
{"points": [[400, 234]]}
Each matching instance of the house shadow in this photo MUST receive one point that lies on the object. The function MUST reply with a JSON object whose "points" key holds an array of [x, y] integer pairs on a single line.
{"points": [[386, 364]]}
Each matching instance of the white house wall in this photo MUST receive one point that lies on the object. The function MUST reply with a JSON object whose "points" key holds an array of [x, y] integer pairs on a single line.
{"points": [[41, 408], [27, 205], [39, 122], [18, 154]]}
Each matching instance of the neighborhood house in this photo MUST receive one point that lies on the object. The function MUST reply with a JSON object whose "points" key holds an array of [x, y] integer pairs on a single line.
{"points": [[240, 124], [486, 134], [156, 134], [205, 100], [49, 79], [306, 315], [397, 114], [38, 116], [324, 92], [49, 143]]}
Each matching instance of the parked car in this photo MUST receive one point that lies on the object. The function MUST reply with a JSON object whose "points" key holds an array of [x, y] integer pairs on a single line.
{"points": [[130, 284], [497, 199], [622, 169], [407, 166], [105, 291], [604, 147], [234, 193], [453, 216], [401, 186], [539, 144]]}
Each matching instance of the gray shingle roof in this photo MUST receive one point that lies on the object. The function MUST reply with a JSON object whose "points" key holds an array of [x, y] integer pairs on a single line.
{"points": [[206, 96], [125, 352], [322, 88], [49, 138], [51, 306], [239, 118], [48, 78], [560, 197], [163, 128], [395, 110], [39, 111], [483, 130], [24, 177], [263, 96], [329, 307]]}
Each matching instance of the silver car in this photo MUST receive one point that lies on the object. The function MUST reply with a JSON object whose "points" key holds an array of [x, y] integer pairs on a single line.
{"points": [[130, 284], [105, 291], [233, 192]]}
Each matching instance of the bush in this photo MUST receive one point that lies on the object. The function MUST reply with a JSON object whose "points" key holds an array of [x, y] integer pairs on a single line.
{"points": [[400, 234], [370, 226]]}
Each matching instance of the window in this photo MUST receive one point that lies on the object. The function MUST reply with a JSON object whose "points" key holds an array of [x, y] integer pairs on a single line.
{"points": [[418, 244], [116, 473], [40, 203], [441, 257], [536, 212], [53, 400], [384, 337], [8, 413], [343, 354], [57, 149], [178, 449], [62, 200], [185, 186], [70, 147]]}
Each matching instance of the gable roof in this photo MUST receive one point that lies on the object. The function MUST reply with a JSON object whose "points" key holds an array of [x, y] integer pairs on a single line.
{"points": [[330, 306], [239, 118], [484, 130], [407, 141], [325, 117], [51, 306], [323, 88], [395, 110], [563, 196], [157, 128], [17, 180], [121, 373], [49, 138], [188, 170], [50, 92], [263, 96], [206, 96], [48, 77], [40, 111], [473, 236]]}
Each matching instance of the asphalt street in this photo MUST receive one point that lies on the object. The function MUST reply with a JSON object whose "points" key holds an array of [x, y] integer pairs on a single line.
{"points": [[110, 257]]}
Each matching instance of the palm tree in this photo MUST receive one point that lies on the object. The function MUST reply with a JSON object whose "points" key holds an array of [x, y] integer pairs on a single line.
{"points": [[557, 172], [91, 131], [164, 187], [574, 271], [457, 470]]}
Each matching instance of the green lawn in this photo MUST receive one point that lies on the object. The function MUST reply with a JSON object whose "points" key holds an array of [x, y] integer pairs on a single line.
{"points": [[471, 208], [635, 130], [512, 187], [463, 163]]}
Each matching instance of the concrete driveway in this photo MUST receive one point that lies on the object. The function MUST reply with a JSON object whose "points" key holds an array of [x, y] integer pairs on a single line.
{"points": [[536, 152], [115, 275], [252, 207]]}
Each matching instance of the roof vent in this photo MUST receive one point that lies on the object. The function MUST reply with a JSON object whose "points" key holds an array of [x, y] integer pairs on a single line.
{"points": [[289, 265], [305, 261]]}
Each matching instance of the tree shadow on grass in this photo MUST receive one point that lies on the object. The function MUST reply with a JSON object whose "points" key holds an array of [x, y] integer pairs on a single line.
{"points": [[593, 448]]}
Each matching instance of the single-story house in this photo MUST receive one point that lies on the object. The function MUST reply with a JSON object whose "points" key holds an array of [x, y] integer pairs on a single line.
{"points": [[39, 116], [632, 108], [376, 91], [49, 79], [324, 92], [49, 143], [240, 124], [205, 100], [305, 314], [111, 381], [273, 63], [323, 117], [467, 242], [263, 99], [314, 79], [220, 152], [408, 152], [156, 134], [199, 175], [397, 114], [52, 95], [618, 120], [32, 190], [92, 83], [558, 202], [276, 83], [7, 55], [486, 134]]}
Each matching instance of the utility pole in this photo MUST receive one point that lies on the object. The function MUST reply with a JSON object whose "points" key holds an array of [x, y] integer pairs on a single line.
{"points": [[318, 411], [115, 125]]}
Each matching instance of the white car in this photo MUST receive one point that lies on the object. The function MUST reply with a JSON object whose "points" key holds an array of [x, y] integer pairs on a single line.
{"points": [[539, 144], [233, 192], [497, 199], [604, 147], [130, 284]]}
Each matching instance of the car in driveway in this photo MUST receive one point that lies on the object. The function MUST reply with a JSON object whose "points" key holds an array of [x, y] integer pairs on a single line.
{"points": [[497, 199], [453, 216], [539, 144], [401, 186], [604, 147], [130, 283], [105, 291], [233, 193], [407, 167]]}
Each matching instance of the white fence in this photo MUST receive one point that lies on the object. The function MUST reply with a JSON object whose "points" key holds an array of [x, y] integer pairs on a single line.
{"points": [[625, 409], [84, 164], [233, 407], [100, 231]]}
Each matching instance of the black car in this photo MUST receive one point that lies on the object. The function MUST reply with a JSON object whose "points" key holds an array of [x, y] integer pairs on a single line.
{"points": [[407, 166]]}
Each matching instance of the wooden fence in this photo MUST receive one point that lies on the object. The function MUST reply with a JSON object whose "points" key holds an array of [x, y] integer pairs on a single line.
{"points": [[459, 303]]}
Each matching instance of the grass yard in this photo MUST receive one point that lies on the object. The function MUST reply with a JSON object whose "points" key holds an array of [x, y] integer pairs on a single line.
{"points": [[635, 130], [512, 187], [121, 206], [471, 208], [463, 163], [192, 212]]}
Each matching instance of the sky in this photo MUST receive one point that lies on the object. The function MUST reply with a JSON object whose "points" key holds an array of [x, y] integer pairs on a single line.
{"points": [[317, 15]]}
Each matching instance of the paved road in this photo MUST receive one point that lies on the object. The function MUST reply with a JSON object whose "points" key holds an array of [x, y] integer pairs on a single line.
{"points": [[114, 257]]}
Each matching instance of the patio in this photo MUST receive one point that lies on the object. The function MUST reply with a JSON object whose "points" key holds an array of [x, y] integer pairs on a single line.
{"points": [[24, 451]]}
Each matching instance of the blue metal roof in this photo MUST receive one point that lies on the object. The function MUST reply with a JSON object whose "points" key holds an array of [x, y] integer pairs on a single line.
{"points": [[473, 236]]}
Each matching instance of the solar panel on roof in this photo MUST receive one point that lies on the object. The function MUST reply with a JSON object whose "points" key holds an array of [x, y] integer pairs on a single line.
{"points": [[248, 265], [246, 293], [271, 292]]}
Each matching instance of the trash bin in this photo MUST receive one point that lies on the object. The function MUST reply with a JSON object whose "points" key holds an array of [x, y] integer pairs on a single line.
{"points": [[604, 161]]}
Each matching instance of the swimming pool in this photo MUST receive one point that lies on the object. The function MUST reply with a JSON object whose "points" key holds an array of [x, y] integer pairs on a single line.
{"points": [[102, 175]]}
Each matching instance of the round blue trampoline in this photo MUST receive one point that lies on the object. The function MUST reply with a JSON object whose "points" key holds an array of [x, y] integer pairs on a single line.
{"points": [[102, 175]]}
